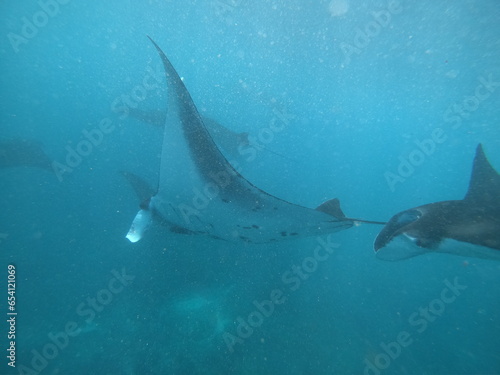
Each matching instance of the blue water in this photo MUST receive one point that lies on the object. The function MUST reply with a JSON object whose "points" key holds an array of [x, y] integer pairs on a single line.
{"points": [[359, 85]]}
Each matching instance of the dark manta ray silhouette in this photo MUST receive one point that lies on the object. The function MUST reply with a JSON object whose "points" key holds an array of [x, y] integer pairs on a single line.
{"points": [[200, 192], [23, 152], [469, 227], [231, 142], [225, 138]]}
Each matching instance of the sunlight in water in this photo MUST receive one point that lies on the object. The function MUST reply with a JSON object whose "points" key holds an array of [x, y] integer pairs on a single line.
{"points": [[338, 8]]}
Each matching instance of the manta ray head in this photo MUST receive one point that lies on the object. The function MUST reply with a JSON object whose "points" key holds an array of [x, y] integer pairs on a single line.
{"points": [[396, 226], [407, 227]]}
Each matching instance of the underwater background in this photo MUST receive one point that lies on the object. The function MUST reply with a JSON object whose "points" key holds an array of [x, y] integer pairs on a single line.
{"points": [[342, 94]]}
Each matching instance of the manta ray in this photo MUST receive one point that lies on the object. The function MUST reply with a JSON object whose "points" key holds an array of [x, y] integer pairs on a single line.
{"points": [[23, 152], [199, 191], [230, 141], [468, 227]]}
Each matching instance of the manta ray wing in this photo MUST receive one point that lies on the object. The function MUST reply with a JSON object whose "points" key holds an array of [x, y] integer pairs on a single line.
{"points": [[484, 185], [23, 152], [152, 117], [229, 141], [199, 189]]}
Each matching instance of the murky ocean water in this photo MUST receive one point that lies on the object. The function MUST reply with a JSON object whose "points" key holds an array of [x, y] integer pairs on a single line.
{"points": [[380, 104]]}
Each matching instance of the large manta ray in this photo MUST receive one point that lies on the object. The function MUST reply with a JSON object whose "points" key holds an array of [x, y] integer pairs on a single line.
{"points": [[200, 192], [469, 227]]}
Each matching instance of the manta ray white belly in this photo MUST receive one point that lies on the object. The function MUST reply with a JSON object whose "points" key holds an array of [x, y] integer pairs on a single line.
{"points": [[403, 247]]}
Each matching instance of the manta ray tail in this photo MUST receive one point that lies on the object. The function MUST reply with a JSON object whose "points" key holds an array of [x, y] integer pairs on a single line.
{"points": [[332, 207]]}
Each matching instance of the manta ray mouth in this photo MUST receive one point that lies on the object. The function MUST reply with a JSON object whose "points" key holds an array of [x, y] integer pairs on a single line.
{"points": [[400, 248], [395, 227]]}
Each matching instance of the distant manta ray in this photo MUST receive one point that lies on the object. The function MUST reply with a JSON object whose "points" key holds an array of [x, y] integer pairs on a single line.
{"points": [[468, 227], [201, 193], [228, 140], [23, 152]]}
